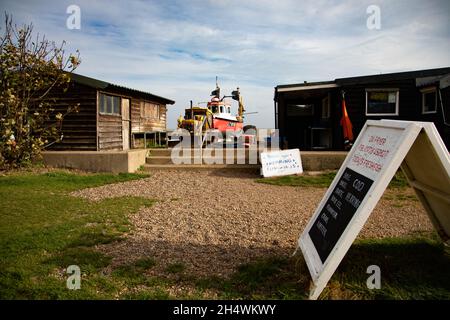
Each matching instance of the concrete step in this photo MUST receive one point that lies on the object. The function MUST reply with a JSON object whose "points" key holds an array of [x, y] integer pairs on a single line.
{"points": [[164, 152], [311, 160], [159, 151], [205, 160], [322, 160], [251, 168]]}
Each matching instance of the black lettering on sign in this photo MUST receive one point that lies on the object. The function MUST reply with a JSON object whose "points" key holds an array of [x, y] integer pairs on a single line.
{"points": [[341, 205]]}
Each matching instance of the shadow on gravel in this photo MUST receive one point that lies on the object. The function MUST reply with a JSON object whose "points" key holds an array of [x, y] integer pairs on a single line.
{"points": [[411, 268]]}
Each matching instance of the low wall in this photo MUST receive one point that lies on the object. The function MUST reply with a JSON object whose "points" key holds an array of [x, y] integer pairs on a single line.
{"points": [[322, 160], [97, 161]]}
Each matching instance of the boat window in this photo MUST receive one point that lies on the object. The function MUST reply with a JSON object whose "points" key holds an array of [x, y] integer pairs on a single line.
{"points": [[221, 109], [214, 109], [229, 110]]}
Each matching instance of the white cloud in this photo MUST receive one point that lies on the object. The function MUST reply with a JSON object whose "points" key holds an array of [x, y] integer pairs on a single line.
{"points": [[176, 48]]}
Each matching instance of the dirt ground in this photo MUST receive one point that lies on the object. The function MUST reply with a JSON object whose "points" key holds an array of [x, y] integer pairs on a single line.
{"points": [[211, 222]]}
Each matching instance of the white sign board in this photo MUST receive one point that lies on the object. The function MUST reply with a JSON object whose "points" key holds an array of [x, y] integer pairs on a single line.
{"points": [[381, 147], [281, 163]]}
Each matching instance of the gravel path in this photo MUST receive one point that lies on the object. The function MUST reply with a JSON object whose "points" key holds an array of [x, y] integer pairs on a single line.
{"points": [[213, 221]]}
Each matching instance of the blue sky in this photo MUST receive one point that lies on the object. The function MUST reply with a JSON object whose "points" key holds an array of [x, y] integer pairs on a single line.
{"points": [[177, 48]]}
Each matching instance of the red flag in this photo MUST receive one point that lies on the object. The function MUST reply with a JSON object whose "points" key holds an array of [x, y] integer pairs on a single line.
{"points": [[346, 124]]}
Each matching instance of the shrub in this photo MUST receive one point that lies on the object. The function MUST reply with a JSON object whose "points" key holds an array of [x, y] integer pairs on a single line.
{"points": [[30, 68]]}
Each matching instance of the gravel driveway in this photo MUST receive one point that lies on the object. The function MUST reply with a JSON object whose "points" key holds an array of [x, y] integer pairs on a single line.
{"points": [[213, 221]]}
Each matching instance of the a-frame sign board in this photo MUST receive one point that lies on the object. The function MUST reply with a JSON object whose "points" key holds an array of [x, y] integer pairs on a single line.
{"points": [[381, 147]]}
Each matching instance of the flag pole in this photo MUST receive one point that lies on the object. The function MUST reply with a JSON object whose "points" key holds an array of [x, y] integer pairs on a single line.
{"points": [[346, 124]]}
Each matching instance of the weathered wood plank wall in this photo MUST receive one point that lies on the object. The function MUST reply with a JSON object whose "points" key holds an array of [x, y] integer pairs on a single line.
{"points": [[79, 129]]}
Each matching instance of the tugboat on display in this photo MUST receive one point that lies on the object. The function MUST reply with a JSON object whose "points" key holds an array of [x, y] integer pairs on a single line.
{"points": [[216, 119]]}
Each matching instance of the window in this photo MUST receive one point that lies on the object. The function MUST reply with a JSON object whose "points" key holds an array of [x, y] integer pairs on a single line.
{"points": [[300, 110], [326, 107], [382, 102], [429, 100], [149, 110], [109, 104]]}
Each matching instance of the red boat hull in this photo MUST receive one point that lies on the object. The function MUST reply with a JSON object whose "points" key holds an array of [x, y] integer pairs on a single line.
{"points": [[224, 125]]}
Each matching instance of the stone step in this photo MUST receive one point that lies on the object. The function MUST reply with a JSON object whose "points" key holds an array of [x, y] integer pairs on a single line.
{"points": [[251, 168], [159, 151], [205, 160], [163, 152], [311, 160]]}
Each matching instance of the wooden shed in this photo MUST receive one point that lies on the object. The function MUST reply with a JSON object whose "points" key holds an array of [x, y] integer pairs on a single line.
{"points": [[109, 117], [308, 114]]}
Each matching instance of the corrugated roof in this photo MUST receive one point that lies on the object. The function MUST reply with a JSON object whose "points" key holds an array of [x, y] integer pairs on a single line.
{"points": [[304, 84], [392, 76], [103, 85], [367, 79], [442, 79], [309, 86]]}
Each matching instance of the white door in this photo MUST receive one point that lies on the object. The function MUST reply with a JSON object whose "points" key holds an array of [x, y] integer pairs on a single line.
{"points": [[126, 123]]}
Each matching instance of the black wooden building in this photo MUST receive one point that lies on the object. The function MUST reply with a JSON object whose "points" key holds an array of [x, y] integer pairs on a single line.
{"points": [[109, 116], [308, 114]]}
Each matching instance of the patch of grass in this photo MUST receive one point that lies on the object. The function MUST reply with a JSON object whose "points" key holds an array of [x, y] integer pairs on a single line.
{"points": [[265, 278], [324, 180], [398, 181], [134, 274], [88, 260], [400, 196], [176, 267], [411, 268], [43, 230], [255, 273], [149, 294], [57, 181], [145, 263], [319, 181]]}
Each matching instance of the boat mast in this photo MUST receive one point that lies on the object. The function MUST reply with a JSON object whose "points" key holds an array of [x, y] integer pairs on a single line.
{"points": [[216, 92]]}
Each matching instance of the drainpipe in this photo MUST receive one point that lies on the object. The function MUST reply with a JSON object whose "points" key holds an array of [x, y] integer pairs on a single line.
{"points": [[442, 109], [275, 107]]}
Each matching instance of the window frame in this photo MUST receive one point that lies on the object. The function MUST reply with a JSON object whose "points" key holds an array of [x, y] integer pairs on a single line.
{"points": [[109, 113], [326, 105], [308, 106], [397, 101], [143, 113], [426, 91]]}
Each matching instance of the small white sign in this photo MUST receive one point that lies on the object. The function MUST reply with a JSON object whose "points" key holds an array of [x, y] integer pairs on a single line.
{"points": [[381, 147], [281, 163]]}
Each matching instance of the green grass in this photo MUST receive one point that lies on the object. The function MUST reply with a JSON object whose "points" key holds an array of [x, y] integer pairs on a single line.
{"points": [[319, 181], [43, 230], [411, 268], [176, 267], [323, 180]]}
